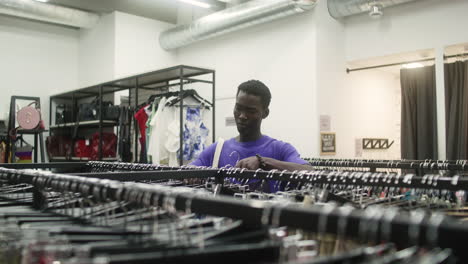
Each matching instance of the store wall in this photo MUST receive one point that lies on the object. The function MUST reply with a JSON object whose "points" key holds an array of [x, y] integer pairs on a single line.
{"points": [[331, 67], [281, 54], [36, 59], [137, 48], [409, 27], [370, 107], [96, 52]]}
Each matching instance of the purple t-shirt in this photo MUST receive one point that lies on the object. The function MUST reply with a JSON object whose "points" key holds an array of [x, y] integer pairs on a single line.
{"points": [[233, 151]]}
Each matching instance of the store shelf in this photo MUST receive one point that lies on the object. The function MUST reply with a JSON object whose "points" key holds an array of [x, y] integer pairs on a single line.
{"points": [[91, 123], [58, 158], [144, 79], [30, 131]]}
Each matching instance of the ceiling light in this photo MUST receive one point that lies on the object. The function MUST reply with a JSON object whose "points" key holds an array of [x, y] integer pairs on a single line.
{"points": [[196, 3], [413, 65], [43, 1], [375, 10]]}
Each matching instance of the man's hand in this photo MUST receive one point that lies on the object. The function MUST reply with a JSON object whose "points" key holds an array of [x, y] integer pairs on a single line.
{"points": [[250, 163], [253, 163]]}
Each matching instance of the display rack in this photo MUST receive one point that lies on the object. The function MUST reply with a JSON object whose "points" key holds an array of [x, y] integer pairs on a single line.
{"points": [[154, 81]]}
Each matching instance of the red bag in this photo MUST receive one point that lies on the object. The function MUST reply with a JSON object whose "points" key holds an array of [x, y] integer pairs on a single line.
{"points": [[58, 146], [82, 150], [109, 146]]}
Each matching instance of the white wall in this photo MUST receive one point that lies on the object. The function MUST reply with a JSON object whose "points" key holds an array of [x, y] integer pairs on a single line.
{"points": [[96, 53], [137, 48], [279, 53], [36, 60], [330, 69], [409, 27], [370, 107]]}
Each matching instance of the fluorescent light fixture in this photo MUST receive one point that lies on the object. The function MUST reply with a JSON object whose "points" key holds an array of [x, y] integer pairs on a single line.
{"points": [[413, 65], [196, 3], [43, 1]]}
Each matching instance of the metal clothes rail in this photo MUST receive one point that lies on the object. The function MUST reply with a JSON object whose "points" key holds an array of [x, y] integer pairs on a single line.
{"points": [[371, 224], [393, 164], [378, 179]]}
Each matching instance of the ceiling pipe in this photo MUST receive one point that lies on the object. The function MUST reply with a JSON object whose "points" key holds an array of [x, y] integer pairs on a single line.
{"points": [[343, 8], [231, 19], [49, 13]]}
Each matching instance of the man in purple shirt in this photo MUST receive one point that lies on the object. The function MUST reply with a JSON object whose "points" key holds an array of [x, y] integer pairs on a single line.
{"points": [[250, 149]]}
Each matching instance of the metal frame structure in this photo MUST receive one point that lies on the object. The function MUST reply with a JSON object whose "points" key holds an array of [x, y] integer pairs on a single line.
{"points": [[146, 81]]}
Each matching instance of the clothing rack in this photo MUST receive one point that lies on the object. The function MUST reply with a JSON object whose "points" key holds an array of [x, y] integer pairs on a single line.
{"points": [[459, 165], [136, 172], [371, 224], [380, 179]]}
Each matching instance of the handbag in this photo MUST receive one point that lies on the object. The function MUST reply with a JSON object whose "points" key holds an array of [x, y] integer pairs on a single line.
{"points": [[87, 111], [109, 145], [29, 117], [90, 111], [109, 111], [82, 148], [58, 146], [63, 114]]}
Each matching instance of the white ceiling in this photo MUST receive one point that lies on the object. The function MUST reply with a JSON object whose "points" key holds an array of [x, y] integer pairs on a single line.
{"points": [[163, 10]]}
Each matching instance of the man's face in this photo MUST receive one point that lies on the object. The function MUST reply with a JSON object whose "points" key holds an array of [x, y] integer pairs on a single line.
{"points": [[248, 113]]}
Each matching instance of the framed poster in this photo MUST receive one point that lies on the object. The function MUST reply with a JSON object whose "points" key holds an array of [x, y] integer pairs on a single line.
{"points": [[327, 143]]}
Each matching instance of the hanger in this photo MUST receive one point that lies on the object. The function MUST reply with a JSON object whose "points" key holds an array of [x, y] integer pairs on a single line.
{"points": [[193, 94]]}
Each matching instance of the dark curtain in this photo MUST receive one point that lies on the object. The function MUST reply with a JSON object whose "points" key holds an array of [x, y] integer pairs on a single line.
{"points": [[456, 109], [418, 113]]}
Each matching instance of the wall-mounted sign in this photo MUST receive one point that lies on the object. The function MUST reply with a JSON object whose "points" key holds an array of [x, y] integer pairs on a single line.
{"points": [[327, 143]]}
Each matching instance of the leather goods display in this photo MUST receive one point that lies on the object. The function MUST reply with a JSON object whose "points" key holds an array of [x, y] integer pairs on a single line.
{"points": [[90, 111], [29, 117]]}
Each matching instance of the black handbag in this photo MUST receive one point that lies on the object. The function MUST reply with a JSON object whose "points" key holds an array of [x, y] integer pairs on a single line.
{"points": [[109, 111], [90, 111], [87, 111], [63, 114]]}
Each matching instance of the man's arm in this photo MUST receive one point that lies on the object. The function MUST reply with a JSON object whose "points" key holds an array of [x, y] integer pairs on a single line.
{"points": [[253, 163]]}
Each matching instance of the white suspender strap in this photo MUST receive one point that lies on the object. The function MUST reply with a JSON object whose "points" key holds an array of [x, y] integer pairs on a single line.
{"points": [[217, 154]]}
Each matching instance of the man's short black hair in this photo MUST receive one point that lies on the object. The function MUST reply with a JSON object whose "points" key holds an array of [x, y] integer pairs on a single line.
{"points": [[256, 87]]}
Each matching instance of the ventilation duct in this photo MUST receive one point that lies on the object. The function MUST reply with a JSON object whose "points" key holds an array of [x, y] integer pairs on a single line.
{"points": [[343, 8], [34, 10], [241, 16]]}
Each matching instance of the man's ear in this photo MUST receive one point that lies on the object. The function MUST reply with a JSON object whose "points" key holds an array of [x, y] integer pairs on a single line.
{"points": [[266, 113]]}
